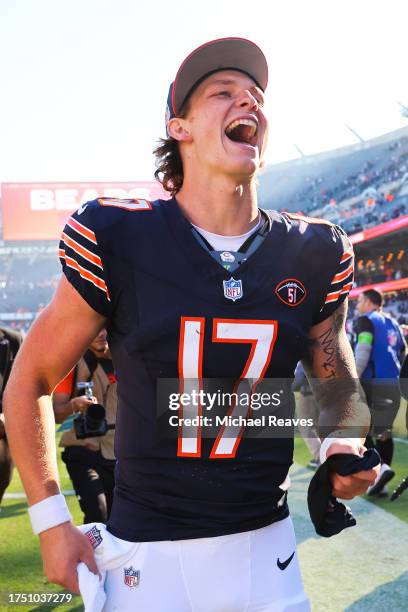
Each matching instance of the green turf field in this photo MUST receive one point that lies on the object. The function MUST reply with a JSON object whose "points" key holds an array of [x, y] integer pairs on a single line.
{"points": [[20, 560], [383, 529]]}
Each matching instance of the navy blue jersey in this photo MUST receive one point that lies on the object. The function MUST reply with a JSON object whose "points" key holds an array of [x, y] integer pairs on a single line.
{"points": [[175, 313]]}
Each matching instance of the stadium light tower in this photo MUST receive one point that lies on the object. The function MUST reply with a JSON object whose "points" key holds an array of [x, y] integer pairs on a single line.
{"points": [[356, 134], [404, 109], [299, 150]]}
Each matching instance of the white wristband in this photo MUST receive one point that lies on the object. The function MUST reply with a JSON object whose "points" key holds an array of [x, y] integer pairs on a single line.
{"points": [[49, 512], [334, 437]]}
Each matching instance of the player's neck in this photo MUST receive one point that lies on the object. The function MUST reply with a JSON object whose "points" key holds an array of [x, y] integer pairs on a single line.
{"points": [[220, 206]]}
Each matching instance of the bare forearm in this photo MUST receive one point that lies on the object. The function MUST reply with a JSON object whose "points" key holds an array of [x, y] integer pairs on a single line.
{"points": [[333, 377], [342, 407], [28, 407]]}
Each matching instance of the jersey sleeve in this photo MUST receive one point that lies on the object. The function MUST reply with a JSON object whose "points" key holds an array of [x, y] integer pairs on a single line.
{"points": [[343, 275], [66, 384], [364, 325], [364, 331], [82, 258]]}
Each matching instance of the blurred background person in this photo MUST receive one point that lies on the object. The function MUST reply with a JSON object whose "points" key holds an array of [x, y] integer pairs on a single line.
{"points": [[379, 352], [10, 342], [90, 461]]}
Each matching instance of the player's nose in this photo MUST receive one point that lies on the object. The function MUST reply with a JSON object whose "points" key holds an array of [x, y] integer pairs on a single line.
{"points": [[247, 100]]}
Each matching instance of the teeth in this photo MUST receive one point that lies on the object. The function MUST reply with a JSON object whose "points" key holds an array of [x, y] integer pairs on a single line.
{"points": [[238, 122]]}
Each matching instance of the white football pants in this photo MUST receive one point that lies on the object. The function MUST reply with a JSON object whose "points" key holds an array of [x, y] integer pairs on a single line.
{"points": [[254, 571]]}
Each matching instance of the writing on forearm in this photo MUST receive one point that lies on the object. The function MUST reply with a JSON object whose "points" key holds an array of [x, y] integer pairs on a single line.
{"points": [[327, 341], [331, 370]]}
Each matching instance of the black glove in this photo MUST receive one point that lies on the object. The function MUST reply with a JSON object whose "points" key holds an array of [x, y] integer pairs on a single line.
{"points": [[329, 516]]}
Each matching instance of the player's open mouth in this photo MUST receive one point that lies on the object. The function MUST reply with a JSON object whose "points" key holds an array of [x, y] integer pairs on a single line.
{"points": [[243, 131]]}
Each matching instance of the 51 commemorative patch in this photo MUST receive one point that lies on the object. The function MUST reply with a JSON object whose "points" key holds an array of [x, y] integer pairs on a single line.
{"points": [[291, 292]]}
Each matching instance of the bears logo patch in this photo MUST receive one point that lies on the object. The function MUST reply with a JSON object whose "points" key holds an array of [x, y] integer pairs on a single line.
{"points": [[291, 292]]}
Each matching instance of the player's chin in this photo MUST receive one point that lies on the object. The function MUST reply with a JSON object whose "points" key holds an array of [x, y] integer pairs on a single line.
{"points": [[244, 167], [241, 150]]}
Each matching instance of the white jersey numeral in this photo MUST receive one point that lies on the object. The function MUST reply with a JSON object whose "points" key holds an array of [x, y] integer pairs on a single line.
{"points": [[261, 335], [190, 374]]}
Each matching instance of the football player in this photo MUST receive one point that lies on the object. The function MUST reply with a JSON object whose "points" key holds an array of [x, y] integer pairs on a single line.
{"points": [[203, 286]]}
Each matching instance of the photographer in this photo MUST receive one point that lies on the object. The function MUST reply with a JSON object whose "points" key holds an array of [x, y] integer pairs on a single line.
{"points": [[10, 341], [90, 460]]}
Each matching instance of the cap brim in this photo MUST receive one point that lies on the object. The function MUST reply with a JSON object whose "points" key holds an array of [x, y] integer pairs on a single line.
{"points": [[222, 54]]}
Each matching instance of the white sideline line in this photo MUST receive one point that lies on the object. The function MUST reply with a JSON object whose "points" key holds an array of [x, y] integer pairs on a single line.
{"points": [[361, 569], [67, 493], [402, 440]]}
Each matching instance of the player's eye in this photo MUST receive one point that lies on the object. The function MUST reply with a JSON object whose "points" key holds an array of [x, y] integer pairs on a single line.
{"points": [[227, 94]]}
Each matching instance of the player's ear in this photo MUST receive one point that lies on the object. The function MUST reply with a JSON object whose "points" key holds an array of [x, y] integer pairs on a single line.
{"points": [[177, 128]]}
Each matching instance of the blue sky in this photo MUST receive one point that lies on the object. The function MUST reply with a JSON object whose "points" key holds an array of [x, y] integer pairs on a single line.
{"points": [[84, 82]]}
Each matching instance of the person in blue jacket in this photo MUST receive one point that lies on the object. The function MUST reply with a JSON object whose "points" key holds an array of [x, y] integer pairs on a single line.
{"points": [[379, 352]]}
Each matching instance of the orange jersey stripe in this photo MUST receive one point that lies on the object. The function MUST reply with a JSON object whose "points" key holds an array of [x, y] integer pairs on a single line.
{"points": [[334, 296], [78, 248], [81, 229], [85, 274], [342, 275], [66, 385], [346, 256], [347, 288]]}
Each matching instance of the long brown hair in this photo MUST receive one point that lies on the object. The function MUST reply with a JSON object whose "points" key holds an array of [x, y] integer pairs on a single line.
{"points": [[168, 160], [169, 165]]}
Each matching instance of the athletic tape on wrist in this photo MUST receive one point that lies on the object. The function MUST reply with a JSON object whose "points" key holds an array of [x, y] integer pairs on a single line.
{"points": [[49, 512], [335, 437]]}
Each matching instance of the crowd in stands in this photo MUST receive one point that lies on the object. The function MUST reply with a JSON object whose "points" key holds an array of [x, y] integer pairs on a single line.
{"points": [[26, 286], [396, 304], [373, 210], [357, 190], [373, 175], [388, 267]]}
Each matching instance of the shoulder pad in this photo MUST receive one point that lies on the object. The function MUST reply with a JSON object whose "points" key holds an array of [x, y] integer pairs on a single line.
{"points": [[329, 233], [102, 213], [132, 204], [306, 219]]}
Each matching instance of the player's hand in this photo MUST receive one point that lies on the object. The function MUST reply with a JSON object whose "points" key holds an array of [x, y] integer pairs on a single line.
{"points": [[347, 487], [82, 403], [62, 548]]}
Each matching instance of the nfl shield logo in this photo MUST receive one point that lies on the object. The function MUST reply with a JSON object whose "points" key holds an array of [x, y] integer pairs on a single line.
{"points": [[94, 536], [233, 289], [131, 577]]}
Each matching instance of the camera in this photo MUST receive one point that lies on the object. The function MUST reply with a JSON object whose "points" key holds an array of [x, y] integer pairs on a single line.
{"points": [[92, 423]]}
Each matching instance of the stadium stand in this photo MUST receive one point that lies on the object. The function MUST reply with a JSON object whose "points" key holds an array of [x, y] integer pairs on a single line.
{"points": [[357, 187], [28, 278], [363, 188]]}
